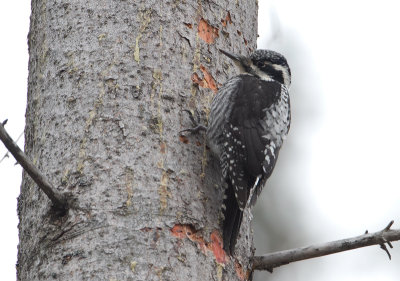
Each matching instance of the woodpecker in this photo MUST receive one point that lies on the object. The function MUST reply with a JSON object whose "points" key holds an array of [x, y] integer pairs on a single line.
{"points": [[248, 121]]}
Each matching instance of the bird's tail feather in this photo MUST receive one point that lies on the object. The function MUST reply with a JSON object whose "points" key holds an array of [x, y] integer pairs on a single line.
{"points": [[232, 220]]}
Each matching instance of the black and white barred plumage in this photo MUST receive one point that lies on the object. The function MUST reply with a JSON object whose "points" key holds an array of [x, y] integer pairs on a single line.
{"points": [[249, 119]]}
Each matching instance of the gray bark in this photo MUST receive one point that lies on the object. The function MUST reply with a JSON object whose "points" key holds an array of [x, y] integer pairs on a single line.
{"points": [[107, 84]]}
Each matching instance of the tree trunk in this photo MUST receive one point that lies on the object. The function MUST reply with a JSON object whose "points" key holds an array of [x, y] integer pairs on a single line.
{"points": [[108, 81]]}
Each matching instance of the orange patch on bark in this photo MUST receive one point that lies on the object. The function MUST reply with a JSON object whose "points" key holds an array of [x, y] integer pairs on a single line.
{"points": [[193, 236], [196, 79], [163, 147], [189, 25], [207, 82], [209, 79], [184, 139], [226, 20], [178, 231], [207, 32], [216, 247], [242, 274], [182, 231]]}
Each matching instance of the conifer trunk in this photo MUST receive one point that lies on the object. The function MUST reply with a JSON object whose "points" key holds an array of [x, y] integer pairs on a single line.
{"points": [[108, 81]]}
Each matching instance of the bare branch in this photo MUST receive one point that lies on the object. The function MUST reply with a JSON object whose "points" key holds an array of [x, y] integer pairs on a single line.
{"points": [[57, 199], [20, 135], [270, 261], [388, 226]]}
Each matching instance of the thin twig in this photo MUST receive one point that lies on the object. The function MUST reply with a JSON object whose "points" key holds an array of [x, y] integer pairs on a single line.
{"points": [[57, 199], [20, 135], [388, 226], [270, 261]]}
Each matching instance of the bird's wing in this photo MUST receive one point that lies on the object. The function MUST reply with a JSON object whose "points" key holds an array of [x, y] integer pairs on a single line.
{"points": [[244, 145]]}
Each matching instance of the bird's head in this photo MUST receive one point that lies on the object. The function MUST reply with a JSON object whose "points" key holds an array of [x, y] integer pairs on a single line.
{"points": [[265, 64]]}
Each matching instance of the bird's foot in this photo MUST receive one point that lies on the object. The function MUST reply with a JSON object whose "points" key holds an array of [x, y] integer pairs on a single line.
{"points": [[197, 127]]}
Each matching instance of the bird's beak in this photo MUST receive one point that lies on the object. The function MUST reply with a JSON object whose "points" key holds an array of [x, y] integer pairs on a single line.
{"points": [[242, 62], [231, 56]]}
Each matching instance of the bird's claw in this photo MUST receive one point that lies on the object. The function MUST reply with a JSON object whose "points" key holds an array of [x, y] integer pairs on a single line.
{"points": [[196, 126]]}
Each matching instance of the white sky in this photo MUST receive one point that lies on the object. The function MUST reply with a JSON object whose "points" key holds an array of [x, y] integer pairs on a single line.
{"points": [[348, 56], [353, 51], [14, 24]]}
